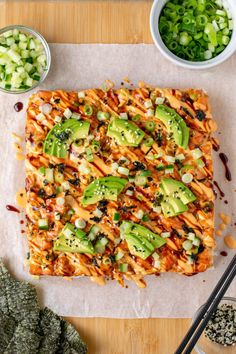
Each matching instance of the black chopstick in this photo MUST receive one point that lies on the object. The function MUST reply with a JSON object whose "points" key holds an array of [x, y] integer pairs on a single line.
{"points": [[210, 306]]}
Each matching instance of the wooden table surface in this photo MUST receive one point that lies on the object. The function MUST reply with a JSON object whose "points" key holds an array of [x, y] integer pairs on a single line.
{"points": [[90, 21]]}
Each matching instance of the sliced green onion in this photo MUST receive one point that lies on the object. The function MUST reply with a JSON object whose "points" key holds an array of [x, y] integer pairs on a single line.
{"points": [[123, 267], [169, 169], [187, 178], [43, 224], [88, 110], [149, 142], [160, 167], [193, 29], [103, 115], [140, 180], [119, 255], [200, 163], [197, 153], [89, 155], [123, 170], [95, 146], [145, 173], [116, 217], [150, 126], [136, 118], [145, 218], [187, 245]]}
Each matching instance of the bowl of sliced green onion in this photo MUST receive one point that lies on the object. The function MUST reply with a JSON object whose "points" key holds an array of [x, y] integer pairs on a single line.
{"points": [[24, 59], [195, 34]]}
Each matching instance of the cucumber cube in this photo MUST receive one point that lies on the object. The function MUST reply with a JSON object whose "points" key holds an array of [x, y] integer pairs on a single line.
{"points": [[28, 67], [23, 45], [10, 41], [32, 44], [10, 68], [15, 33], [22, 37], [41, 59], [25, 54], [14, 47], [14, 56], [2, 49], [8, 34], [20, 69], [29, 81], [33, 54]]}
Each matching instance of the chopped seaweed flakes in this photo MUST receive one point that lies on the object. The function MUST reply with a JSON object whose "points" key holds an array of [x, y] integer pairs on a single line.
{"points": [[25, 329]]}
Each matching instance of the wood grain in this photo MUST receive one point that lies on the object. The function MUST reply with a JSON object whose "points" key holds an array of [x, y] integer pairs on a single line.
{"points": [[84, 21], [106, 22], [146, 336]]}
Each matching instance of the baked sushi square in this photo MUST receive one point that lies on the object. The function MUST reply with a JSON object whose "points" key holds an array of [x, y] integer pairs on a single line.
{"points": [[119, 182]]}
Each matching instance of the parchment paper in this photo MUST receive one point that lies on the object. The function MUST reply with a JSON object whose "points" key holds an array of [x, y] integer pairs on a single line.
{"points": [[75, 67]]}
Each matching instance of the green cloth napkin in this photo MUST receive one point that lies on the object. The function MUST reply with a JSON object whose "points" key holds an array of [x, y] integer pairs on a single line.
{"points": [[26, 329]]}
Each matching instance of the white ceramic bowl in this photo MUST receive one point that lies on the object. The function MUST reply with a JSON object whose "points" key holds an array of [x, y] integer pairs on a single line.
{"points": [[154, 26]]}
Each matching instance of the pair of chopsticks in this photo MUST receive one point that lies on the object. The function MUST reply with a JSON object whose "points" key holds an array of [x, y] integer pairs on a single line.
{"points": [[208, 309]]}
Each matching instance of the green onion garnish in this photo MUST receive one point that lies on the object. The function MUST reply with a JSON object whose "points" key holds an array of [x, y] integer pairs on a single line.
{"points": [[136, 118], [145, 218], [195, 30], [116, 217], [103, 115], [150, 126], [145, 173], [149, 142], [88, 110]]}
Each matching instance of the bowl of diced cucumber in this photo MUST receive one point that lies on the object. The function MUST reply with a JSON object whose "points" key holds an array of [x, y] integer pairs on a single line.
{"points": [[25, 59]]}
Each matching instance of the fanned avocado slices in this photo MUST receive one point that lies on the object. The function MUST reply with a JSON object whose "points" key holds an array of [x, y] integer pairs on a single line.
{"points": [[176, 197], [73, 240], [141, 241], [174, 124], [62, 135], [103, 188], [125, 133]]}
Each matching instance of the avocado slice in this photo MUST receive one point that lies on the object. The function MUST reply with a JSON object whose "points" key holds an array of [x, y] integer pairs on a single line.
{"points": [[103, 188], [178, 189], [139, 246], [73, 240], [173, 206], [62, 135], [139, 230], [125, 133], [174, 124]]}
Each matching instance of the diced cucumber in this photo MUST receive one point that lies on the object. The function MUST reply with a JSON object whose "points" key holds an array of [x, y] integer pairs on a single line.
{"points": [[10, 41], [42, 59], [43, 224], [22, 37], [28, 67], [8, 34], [22, 60], [10, 68], [32, 44], [23, 45], [29, 82], [3, 49], [20, 69], [14, 47], [49, 175], [15, 33], [14, 56], [33, 53], [25, 54]]}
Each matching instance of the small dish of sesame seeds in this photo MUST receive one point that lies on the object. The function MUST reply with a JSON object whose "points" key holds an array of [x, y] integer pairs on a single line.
{"points": [[219, 336]]}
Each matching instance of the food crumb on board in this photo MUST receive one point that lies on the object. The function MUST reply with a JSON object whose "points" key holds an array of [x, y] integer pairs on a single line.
{"points": [[218, 232]]}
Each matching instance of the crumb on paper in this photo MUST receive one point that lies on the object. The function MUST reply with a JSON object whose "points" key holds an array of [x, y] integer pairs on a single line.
{"points": [[67, 278], [17, 137], [225, 218], [218, 232], [230, 241]]}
